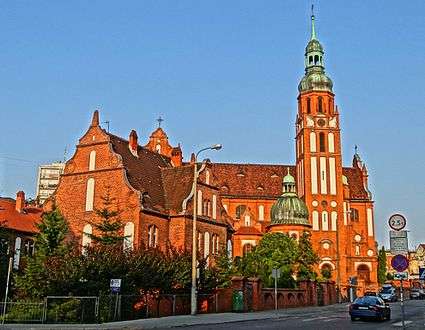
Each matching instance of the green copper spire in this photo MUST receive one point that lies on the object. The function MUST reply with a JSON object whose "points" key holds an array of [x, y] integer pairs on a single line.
{"points": [[313, 29], [315, 78]]}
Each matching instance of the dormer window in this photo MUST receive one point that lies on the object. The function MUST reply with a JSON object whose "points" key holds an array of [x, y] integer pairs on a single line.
{"points": [[240, 174]]}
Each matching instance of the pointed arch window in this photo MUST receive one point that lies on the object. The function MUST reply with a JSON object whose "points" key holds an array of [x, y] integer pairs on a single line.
{"points": [[152, 236], [90, 194], [239, 210], [207, 177], [260, 212], [17, 256], [206, 244], [92, 160], [308, 105], [86, 240], [128, 236], [199, 202]]}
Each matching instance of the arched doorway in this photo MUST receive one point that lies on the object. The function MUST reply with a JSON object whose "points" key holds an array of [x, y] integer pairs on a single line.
{"points": [[363, 273], [326, 271]]}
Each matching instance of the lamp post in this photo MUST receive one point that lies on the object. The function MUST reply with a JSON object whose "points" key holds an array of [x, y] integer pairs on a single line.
{"points": [[193, 300]]}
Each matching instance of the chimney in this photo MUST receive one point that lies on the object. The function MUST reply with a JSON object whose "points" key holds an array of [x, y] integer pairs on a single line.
{"points": [[132, 142], [192, 158], [95, 119], [20, 201], [177, 156]]}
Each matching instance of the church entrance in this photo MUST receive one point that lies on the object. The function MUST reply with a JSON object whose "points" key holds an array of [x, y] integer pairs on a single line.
{"points": [[363, 273]]}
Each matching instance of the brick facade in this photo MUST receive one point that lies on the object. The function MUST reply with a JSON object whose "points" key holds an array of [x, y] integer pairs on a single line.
{"points": [[146, 189]]}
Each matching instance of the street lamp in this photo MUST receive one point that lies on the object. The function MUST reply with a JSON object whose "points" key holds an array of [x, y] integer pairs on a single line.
{"points": [[193, 300]]}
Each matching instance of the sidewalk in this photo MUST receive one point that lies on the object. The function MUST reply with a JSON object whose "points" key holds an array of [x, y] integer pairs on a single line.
{"points": [[186, 320]]}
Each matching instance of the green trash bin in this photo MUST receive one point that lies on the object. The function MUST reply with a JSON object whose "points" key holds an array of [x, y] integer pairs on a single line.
{"points": [[237, 301]]}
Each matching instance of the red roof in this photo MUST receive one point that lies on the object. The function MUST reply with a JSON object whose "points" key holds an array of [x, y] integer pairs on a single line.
{"points": [[248, 231], [20, 221], [265, 181]]}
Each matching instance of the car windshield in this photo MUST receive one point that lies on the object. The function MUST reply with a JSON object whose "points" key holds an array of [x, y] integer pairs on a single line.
{"points": [[387, 290], [367, 300]]}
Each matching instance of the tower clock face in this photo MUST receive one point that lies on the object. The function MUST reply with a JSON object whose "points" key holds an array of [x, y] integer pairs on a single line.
{"points": [[397, 222]]}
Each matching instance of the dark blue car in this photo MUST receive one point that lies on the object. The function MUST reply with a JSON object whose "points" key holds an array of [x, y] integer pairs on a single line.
{"points": [[370, 307]]}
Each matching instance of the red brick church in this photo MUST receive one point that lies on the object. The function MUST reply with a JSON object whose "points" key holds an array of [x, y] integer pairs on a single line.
{"points": [[236, 203]]}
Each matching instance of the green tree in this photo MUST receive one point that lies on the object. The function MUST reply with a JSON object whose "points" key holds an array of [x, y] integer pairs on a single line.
{"points": [[224, 269], [108, 225], [52, 233], [275, 250], [50, 245], [382, 266], [306, 258]]}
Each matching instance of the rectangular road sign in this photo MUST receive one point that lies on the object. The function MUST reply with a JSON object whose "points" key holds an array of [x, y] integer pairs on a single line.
{"points": [[398, 242], [401, 276], [115, 285], [275, 273]]}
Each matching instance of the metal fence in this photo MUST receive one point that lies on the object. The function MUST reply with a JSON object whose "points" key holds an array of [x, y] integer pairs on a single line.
{"points": [[105, 308], [22, 312], [69, 309]]}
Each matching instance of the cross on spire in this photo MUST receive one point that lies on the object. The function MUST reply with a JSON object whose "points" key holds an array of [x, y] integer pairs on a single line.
{"points": [[159, 120]]}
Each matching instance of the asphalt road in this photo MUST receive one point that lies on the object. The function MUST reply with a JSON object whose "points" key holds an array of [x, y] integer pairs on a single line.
{"points": [[333, 317]]}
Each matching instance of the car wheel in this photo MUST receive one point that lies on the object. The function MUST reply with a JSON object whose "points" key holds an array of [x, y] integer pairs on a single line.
{"points": [[353, 318], [389, 316]]}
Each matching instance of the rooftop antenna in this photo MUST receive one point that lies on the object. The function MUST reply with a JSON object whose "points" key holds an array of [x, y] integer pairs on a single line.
{"points": [[64, 153], [159, 120]]}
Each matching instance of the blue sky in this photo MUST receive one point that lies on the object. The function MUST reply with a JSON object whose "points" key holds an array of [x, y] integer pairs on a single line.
{"points": [[217, 71]]}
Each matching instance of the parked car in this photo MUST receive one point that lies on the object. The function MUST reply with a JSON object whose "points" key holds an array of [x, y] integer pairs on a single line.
{"points": [[416, 293], [370, 307], [388, 293]]}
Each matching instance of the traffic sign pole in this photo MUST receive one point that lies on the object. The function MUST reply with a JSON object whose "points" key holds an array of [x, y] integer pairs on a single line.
{"points": [[399, 244], [402, 303]]}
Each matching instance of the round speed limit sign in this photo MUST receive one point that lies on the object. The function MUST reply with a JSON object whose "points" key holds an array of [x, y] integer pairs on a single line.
{"points": [[397, 222]]}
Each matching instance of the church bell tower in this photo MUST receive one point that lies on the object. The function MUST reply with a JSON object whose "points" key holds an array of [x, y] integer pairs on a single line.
{"points": [[318, 153]]}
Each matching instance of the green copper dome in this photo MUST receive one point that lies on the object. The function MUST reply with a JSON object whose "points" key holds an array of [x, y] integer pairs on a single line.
{"points": [[289, 209], [315, 78]]}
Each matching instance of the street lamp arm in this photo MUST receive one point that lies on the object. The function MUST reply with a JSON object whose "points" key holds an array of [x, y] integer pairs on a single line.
{"points": [[192, 192], [193, 293]]}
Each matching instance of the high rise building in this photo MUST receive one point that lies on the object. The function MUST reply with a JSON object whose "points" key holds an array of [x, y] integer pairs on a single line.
{"points": [[48, 179]]}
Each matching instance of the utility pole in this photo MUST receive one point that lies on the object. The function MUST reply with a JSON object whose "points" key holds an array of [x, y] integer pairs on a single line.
{"points": [[9, 271]]}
